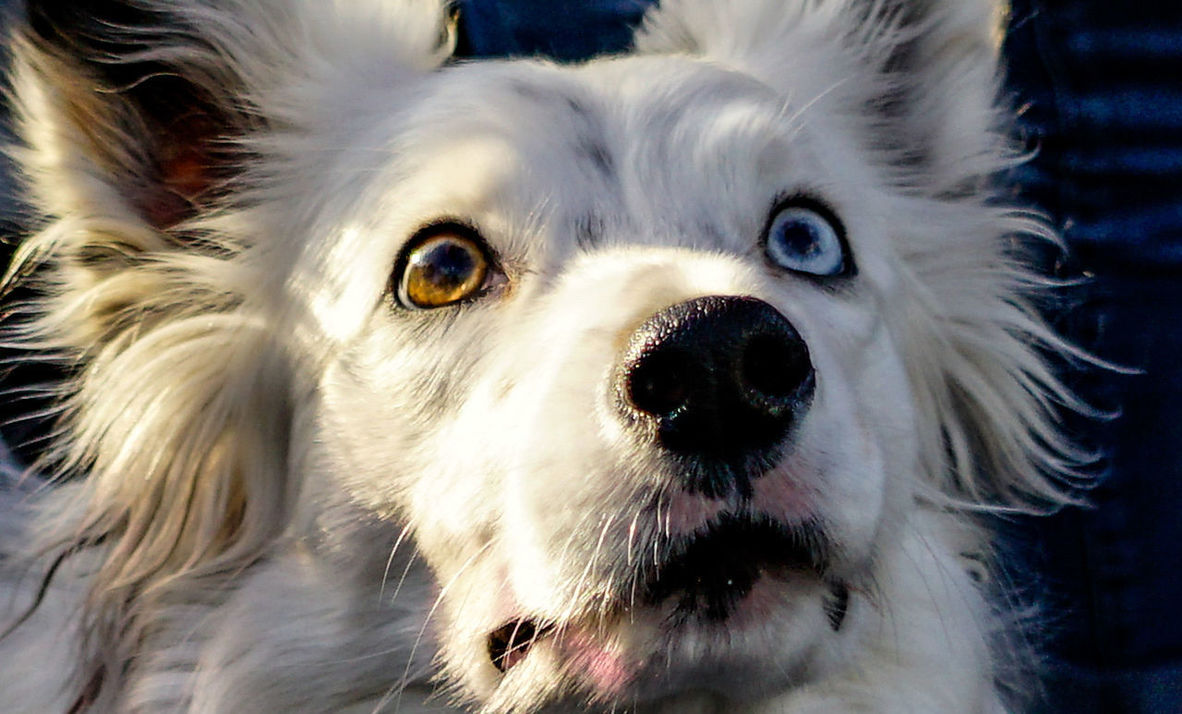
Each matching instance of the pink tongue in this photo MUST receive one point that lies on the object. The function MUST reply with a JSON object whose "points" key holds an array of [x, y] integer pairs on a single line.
{"points": [[603, 668]]}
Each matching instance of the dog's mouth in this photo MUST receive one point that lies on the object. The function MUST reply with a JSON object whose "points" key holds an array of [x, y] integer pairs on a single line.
{"points": [[703, 578], [707, 574]]}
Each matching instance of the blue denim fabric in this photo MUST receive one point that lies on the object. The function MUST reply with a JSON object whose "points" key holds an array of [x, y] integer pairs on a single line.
{"points": [[1101, 84], [560, 29]]}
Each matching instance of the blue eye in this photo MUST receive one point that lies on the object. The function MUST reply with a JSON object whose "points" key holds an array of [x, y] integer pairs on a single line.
{"points": [[806, 238]]}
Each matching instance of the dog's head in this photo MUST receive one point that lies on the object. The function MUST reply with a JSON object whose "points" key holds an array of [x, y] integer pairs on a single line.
{"points": [[651, 357]]}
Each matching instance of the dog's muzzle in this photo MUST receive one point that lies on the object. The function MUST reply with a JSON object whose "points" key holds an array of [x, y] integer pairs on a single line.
{"points": [[719, 382]]}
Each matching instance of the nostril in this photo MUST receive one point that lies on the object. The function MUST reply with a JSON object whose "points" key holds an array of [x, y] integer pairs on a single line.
{"points": [[660, 382], [773, 366]]}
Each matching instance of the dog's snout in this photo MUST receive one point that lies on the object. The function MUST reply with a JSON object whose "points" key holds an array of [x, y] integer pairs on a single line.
{"points": [[723, 378]]}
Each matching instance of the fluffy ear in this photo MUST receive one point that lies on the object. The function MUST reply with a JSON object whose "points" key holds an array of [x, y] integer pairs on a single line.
{"points": [[146, 127], [120, 112], [139, 115], [923, 71]]}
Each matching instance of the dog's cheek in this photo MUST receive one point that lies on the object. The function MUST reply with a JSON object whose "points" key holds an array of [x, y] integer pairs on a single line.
{"points": [[560, 448], [862, 430], [387, 409]]}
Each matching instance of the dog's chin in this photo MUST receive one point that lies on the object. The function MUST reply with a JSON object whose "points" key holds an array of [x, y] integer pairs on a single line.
{"points": [[697, 620]]}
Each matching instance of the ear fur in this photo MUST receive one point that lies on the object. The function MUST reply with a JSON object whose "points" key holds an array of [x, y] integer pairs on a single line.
{"points": [[924, 70], [115, 105], [145, 127]]}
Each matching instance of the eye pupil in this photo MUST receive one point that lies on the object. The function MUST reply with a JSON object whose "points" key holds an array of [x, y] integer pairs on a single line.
{"points": [[445, 265], [801, 238], [442, 270]]}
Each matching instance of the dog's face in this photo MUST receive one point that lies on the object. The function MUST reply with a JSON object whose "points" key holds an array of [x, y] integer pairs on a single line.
{"points": [[648, 359], [627, 370]]}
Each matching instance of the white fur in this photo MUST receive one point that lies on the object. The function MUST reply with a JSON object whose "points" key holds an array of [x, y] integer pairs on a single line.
{"points": [[293, 495]]}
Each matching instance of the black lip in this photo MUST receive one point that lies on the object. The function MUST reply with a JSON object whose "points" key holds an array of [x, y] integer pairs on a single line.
{"points": [[511, 642], [837, 605], [709, 573]]}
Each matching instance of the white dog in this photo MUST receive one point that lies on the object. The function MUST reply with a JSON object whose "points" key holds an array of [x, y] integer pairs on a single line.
{"points": [[668, 382]]}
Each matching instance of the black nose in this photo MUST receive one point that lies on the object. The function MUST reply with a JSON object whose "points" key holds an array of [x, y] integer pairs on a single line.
{"points": [[723, 379]]}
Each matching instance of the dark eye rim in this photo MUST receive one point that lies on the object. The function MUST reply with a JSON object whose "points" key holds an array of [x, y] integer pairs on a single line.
{"points": [[435, 229], [810, 202]]}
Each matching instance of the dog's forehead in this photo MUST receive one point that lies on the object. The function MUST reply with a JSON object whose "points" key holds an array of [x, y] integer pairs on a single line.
{"points": [[625, 95], [649, 136]]}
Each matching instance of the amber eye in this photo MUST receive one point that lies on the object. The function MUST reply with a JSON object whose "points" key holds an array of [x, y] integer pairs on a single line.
{"points": [[447, 265]]}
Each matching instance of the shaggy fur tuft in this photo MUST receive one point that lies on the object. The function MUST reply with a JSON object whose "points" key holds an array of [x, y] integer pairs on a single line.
{"points": [[285, 486]]}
